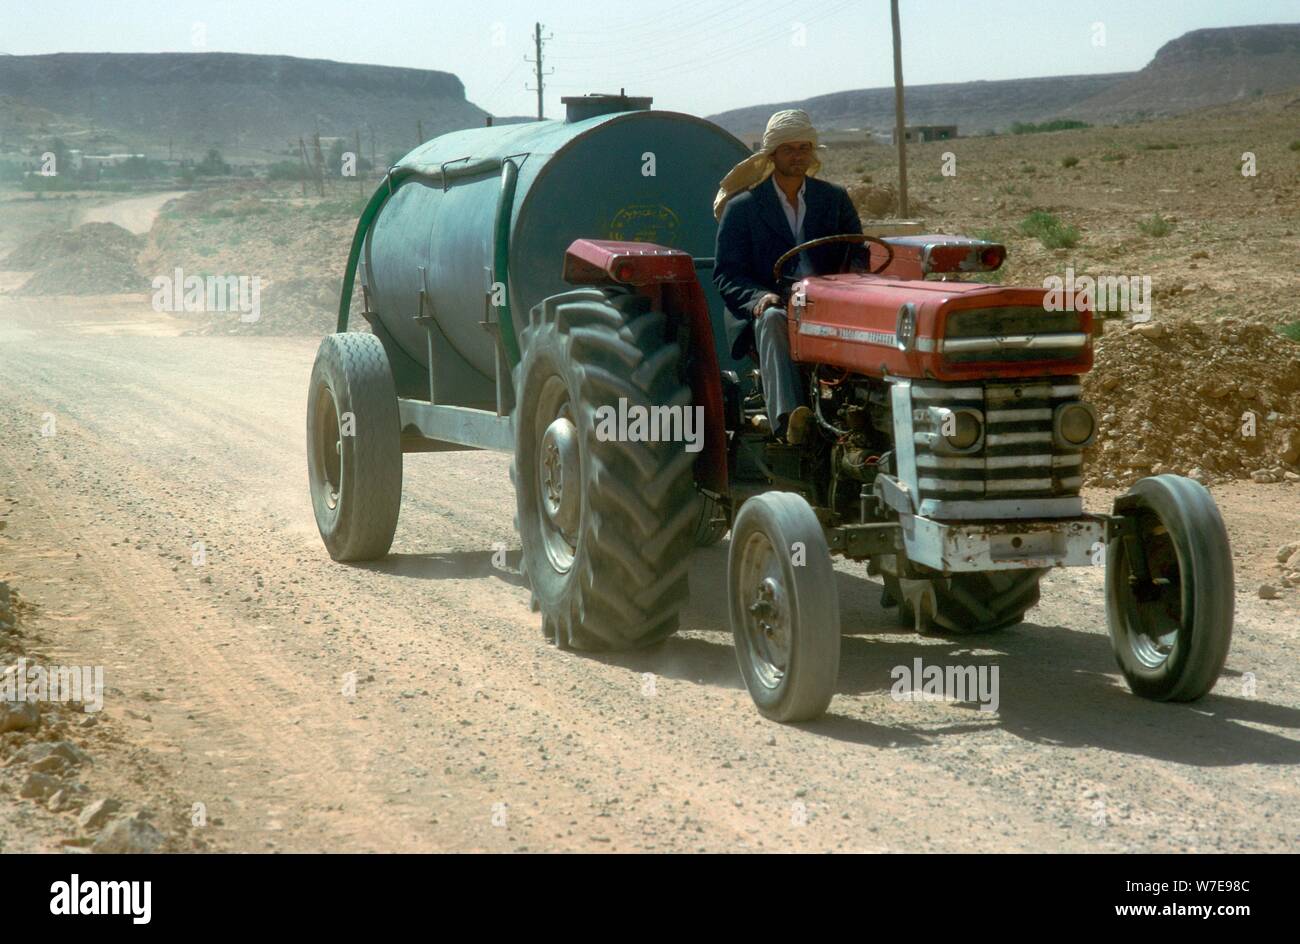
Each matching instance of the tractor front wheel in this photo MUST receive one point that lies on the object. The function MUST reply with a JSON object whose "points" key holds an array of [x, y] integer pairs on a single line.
{"points": [[785, 612], [1169, 589]]}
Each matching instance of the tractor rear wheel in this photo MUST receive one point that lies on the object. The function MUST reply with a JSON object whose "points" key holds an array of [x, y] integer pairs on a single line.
{"points": [[785, 612], [606, 523], [965, 604], [1170, 615], [354, 447]]}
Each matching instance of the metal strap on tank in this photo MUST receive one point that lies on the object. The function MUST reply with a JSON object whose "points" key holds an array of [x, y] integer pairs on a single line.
{"points": [[442, 170]]}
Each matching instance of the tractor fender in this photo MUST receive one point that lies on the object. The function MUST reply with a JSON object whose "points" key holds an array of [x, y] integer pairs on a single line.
{"points": [[668, 278]]}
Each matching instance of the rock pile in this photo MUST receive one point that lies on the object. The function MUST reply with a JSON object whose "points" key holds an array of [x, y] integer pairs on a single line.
{"points": [[41, 761], [93, 259], [1214, 401]]}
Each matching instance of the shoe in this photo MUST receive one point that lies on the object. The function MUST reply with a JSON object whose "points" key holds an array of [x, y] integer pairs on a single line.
{"points": [[796, 427], [759, 423]]}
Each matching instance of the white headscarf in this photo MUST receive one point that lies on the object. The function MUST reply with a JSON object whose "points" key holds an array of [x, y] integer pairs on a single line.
{"points": [[793, 124]]}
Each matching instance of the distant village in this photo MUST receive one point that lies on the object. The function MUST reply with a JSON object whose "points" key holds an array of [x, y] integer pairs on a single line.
{"points": [[55, 166]]}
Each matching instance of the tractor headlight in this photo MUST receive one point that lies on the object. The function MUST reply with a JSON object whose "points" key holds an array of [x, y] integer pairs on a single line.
{"points": [[966, 428], [1074, 425], [958, 430]]}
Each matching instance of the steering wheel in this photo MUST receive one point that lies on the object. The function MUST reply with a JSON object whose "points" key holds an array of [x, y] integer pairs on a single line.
{"points": [[842, 238]]}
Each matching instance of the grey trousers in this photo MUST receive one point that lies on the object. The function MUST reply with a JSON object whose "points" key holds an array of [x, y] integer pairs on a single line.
{"points": [[781, 387]]}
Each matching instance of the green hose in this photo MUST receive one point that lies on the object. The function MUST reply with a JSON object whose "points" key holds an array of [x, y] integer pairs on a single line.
{"points": [[396, 177]]}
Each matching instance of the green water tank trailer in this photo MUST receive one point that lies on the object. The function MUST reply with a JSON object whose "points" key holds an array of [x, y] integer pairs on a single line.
{"points": [[460, 255], [469, 230]]}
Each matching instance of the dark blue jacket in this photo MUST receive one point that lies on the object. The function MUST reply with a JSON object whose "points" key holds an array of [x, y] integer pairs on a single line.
{"points": [[752, 235]]}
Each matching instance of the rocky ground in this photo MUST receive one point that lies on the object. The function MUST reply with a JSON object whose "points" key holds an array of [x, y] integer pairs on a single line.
{"points": [[69, 778], [1212, 400]]}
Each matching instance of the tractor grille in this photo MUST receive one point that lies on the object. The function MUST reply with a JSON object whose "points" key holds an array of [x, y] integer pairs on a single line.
{"points": [[1018, 458], [1012, 334]]}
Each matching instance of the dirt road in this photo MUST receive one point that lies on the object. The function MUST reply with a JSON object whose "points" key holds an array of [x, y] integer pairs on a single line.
{"points": [[466, 731], [136, 214]]}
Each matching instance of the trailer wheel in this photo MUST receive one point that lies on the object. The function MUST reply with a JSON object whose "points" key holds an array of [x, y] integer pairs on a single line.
{"points": [[785, 612], [354, 447], [710, 523], [606, 524], [1169, 589], [965, 604]]}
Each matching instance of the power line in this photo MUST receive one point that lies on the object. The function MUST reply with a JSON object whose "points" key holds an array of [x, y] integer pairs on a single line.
{"points": [[638, 25], [697, 31], [716, 56], [491, 98]]}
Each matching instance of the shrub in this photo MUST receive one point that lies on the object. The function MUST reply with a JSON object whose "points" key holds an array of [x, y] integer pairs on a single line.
{"points": [[287, 170], [1291, 331], [1070, 161], [1156, 225], [212, 165], [1049, 230], [1056, 124], [1114, 156]]}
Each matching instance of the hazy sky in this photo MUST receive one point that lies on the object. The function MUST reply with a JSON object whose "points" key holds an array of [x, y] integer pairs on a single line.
{"points": [[699, 56]]}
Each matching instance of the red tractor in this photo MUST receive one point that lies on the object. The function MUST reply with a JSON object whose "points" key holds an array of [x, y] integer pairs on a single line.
{"points": [[946, 451], [950, 433]]}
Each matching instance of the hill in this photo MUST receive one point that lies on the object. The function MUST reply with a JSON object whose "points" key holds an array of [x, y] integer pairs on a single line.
{"points": [[1201, 68], [242, 104], [1198, 69], [974, 106]]}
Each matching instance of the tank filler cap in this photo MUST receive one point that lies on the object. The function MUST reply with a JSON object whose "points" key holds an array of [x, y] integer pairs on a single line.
{"points": [[581, 107]]}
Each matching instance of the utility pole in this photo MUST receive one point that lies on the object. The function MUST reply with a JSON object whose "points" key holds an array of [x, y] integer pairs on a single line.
{"points": [[419, 132], [302, 157], [356, 169], [900, 125], [320, 165], [538, 39]]}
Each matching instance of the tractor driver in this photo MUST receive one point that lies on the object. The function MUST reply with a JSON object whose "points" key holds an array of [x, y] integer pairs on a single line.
{"points": [[759, 220]]}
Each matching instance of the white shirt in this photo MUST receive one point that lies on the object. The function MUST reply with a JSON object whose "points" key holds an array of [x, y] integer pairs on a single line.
{"points": [[794, 216]]}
